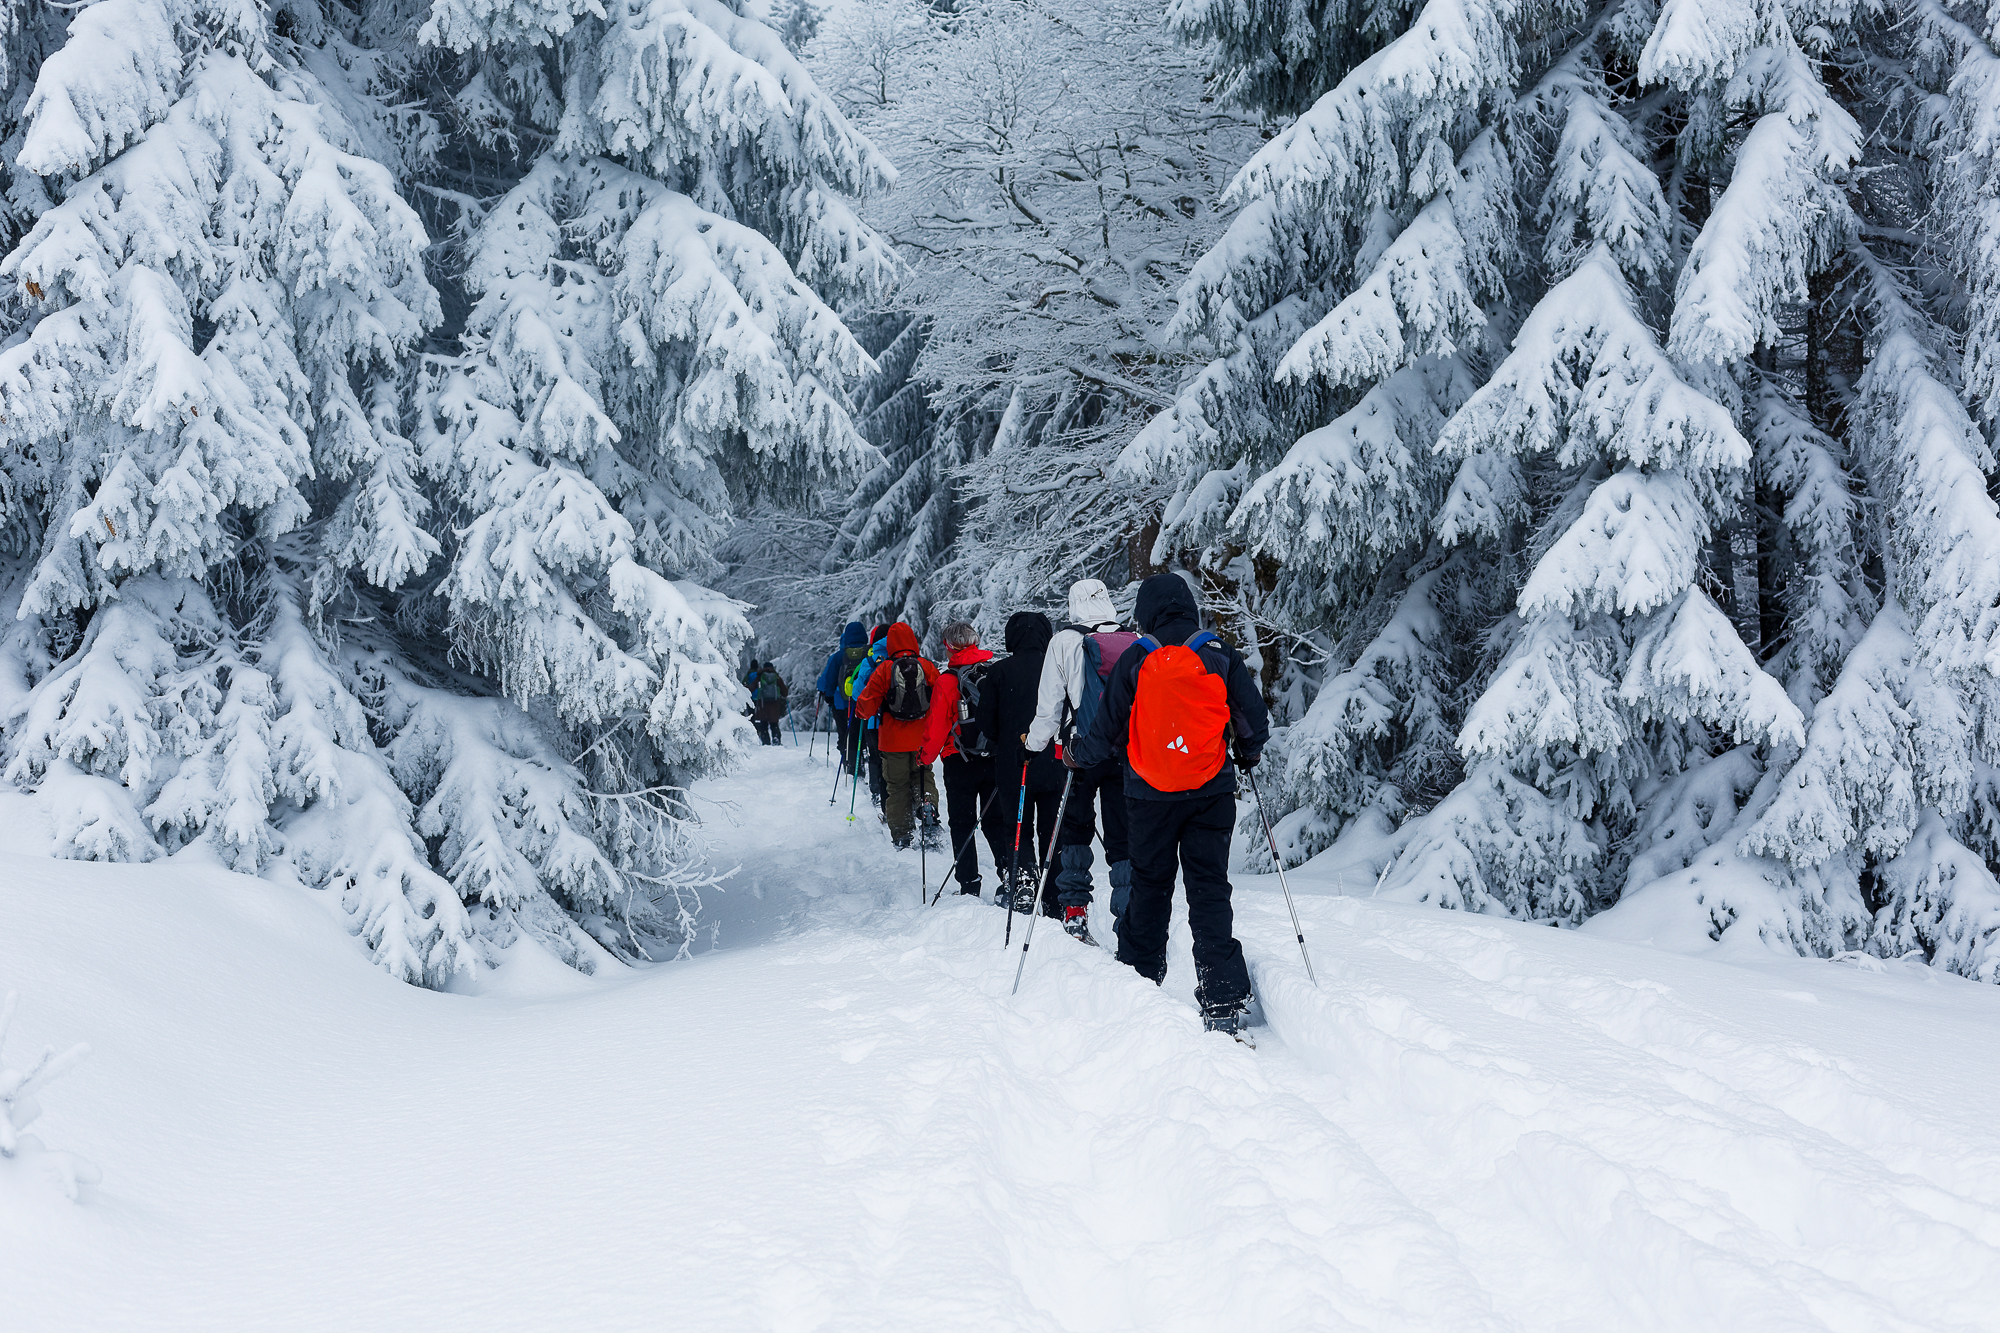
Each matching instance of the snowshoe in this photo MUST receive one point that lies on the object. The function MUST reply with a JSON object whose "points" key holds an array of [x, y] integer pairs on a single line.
{"points": [[1233, 1022], [929, 829], [1076, 924]]}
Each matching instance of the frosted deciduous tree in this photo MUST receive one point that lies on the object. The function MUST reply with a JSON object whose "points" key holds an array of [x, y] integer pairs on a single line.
{"points": [[1063, 167]]}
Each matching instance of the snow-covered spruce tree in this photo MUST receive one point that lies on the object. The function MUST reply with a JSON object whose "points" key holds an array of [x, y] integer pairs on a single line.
{"points": [[1717, 351], [234, 567], [1350, 306], [1062, 167], [650, 352], [1619, 673], [220, 289], [1884, 830]]}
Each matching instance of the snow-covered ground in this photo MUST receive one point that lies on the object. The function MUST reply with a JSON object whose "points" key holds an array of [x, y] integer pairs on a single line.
{"points": [[838, 1119]]}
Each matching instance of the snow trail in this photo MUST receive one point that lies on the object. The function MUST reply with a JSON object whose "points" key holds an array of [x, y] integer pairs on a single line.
{"points": [[837, 1119]]}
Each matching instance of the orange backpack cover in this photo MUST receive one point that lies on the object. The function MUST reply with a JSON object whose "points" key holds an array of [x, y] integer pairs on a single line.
{"points": [[1180, 711]]}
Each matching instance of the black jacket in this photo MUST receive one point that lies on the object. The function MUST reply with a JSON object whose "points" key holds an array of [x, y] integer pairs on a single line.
{"points": [[1166, 610], [1011, 687]]}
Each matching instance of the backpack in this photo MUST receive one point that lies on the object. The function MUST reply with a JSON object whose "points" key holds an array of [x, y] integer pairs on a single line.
{"points": [[767, 685], [909, 698], [856, 659], [1101, 651], [968, 729], [1180, 715]]}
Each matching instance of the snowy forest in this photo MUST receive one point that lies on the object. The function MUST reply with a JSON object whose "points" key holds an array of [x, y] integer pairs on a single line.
{"points": [[413, 414]]}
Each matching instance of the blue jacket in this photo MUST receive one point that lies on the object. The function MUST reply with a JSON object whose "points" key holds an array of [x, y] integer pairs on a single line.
{"points": [[828, 684]]}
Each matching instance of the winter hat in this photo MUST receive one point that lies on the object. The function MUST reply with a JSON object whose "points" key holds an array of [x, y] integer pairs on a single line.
{"points": [[1162, 598], [1090, 604], [1029, 632], [875, 635]]}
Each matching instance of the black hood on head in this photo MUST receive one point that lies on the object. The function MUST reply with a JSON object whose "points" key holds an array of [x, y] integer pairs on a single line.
{"points": [[1162, 598], [1029, 632]]}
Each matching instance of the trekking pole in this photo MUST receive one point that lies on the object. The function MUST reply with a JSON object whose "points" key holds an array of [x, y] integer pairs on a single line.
{"points": [[977, 820], [812, 740], [1278, 861], [854, 791], [835, 796], [1041, 883], [1014, 874]]}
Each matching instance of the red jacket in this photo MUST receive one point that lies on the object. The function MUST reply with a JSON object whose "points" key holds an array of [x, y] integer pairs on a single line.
{"points": [[897, 736], [939, 734]]}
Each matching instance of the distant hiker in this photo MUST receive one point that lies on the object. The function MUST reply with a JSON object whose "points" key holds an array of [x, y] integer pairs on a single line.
{"points": [[1015, 680], [1170, 708], [898, 698], [871, 749], [953, 733], [842, 663], [1074, 673], [769, 698]]}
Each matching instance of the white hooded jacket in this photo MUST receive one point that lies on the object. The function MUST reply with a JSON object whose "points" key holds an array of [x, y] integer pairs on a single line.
{"points": [[1062, 669]]}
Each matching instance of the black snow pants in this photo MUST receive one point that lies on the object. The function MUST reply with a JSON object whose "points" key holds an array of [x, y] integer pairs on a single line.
{"points": [[1194, 834], [846, 741], [968, 785]]}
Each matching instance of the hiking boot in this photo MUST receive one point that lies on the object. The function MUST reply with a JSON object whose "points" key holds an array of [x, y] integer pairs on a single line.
{"points": [[974, 889], [1076, 924], [1025, 889], [1232, 1021]]}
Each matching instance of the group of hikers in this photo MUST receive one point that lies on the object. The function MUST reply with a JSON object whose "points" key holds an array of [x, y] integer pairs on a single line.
{"points": [[1146, 729]]}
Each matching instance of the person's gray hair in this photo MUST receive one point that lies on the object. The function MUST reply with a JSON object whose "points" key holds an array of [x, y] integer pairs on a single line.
{"points": [[960, 634]]}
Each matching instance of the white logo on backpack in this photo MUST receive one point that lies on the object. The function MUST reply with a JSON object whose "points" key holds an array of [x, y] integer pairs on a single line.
{"points": [[1179, 743]]}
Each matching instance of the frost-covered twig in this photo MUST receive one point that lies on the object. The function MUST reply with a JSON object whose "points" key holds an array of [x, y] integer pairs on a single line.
{"points": [[19, 1108]]}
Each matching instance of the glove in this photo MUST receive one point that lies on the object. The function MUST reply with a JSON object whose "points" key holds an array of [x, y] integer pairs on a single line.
{"points": [[1246, 760], [1062, 753]]}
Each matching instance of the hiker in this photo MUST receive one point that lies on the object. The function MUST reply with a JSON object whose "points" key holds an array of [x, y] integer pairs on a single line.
{"points": [[1015, 681], [897, 699], [769, 698], [840, 664], [1170, 710], [871, 749], [1074, 672], [953, 733]]}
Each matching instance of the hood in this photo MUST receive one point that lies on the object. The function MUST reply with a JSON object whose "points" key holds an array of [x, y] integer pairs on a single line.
{"points": [[1090, 604], [902, 640], [970, 654], [1163, 598], [1029, 632], [854, 635]]}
